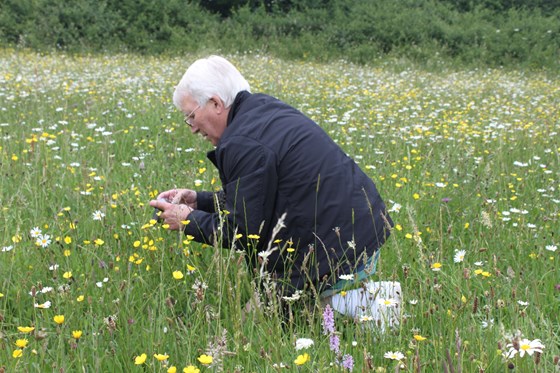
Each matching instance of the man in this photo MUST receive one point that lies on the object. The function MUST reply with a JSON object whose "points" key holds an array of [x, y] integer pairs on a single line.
{"points": [[273, 160]]}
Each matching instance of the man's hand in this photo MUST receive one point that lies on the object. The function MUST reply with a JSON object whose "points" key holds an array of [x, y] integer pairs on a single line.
{"points": [[180, 196], [172, 214]]}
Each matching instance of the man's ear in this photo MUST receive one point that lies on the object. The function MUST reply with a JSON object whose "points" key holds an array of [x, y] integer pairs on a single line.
{"points": [[217, 104]]}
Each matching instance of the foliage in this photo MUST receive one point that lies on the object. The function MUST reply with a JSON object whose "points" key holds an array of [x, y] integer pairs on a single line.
{"points": [[474, 33]]}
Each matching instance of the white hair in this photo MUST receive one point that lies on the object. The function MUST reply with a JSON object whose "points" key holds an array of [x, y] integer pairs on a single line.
{"points": [[210, 76]]}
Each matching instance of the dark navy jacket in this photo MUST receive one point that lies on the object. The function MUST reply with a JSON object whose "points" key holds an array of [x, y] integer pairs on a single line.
{"points": [[272, 159]]}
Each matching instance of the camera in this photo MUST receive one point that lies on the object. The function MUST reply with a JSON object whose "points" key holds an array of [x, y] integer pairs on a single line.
{"points": [[157, 212]]}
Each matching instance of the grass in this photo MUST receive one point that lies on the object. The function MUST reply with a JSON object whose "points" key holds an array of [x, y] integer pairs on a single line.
{"points": [[466, 160]]}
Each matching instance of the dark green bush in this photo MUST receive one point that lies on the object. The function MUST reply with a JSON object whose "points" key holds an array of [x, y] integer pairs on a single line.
{"points": [[465, 33]]}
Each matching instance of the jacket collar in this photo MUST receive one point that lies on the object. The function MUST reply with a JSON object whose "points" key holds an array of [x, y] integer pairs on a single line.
{"points": [[241, 96], [235, 107]]}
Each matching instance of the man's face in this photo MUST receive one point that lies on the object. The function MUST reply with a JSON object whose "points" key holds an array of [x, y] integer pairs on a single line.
{"points": [[209, 119]]}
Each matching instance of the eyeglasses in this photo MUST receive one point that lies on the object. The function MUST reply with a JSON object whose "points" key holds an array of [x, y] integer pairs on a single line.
{"points": [[189, 118]]}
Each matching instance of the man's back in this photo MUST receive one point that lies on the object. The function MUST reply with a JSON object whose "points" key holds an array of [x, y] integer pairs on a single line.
{"points": [[274, 160]]}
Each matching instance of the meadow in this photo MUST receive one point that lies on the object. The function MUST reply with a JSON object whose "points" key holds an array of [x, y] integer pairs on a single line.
{"points": [[467, 161]]}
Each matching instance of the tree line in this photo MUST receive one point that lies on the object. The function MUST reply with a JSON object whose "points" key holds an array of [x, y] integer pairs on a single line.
{"points": [[517, 33]]}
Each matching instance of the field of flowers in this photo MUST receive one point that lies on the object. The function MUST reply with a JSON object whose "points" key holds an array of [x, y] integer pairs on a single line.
{"points": [[468, 162]]}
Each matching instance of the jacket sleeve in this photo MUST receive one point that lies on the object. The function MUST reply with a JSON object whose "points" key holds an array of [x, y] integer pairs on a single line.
{"points": [[250, 183], [206, 201]]}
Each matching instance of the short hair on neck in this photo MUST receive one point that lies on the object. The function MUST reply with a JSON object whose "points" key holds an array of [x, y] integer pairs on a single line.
{"points": [[206, 77]]}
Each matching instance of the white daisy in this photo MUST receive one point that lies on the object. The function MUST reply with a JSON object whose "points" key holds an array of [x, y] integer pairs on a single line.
{"points": [[396, 208], [525, 347], [366, 318], [459, 256], [388, 302], [98, 215], [35, 232], [397, 355], [45, 305], [43, 240]]}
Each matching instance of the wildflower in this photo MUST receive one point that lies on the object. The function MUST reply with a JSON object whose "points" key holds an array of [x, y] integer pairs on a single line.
{"points": [[523, 347], [17, 353], [328, 320], [43, 240], [67, 275], [26, 329], [552, 248], [348, 362], [397, 355], [68, 240], [334, 343], [349, 277], [21, 343], [172, 369], [139, 360], [76, 334], [436, 267], [177, 275], [396, 208], [366, 318], [98, 215], [35, 232], [302, 359], [419, 338], [459, 256], [295, 296], [5, 249], [205, 359], [161, 357], [59, 319], [191, 369], [389, 302], [80, 298], [303, 343], [45, 305]]}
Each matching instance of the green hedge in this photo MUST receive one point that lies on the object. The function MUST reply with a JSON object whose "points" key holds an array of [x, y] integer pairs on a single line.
{"points": [[473, 33]]}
